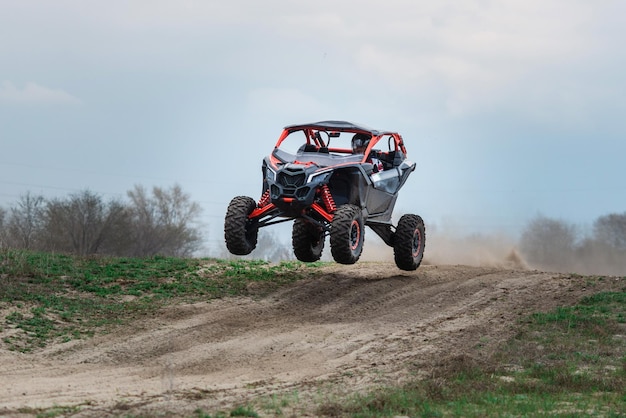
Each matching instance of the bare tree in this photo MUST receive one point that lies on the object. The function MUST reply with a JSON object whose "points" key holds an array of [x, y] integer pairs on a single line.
{"points": [[164, 222], [549, 243], [269, 248], [611, 230], [25, 223], [81, 224]]}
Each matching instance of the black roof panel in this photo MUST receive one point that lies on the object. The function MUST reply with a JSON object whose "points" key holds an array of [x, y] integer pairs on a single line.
{"points": [[338, 125]]}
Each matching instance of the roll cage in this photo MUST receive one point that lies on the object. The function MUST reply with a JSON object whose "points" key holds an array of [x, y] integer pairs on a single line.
{"points": [[318, 139]]}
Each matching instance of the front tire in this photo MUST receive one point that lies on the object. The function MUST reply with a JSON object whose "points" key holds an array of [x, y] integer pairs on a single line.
{"points": [[347, 234], [307, 240], [240, 233], [408, 242]]}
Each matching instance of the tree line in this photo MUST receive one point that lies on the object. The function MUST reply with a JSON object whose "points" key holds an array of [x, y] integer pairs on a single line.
{"points": [[554, 244], [163, 221]]}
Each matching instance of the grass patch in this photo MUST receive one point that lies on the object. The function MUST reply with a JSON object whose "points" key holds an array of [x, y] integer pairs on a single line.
{"points": [[244, 411], [57, 298], [567, 362]]}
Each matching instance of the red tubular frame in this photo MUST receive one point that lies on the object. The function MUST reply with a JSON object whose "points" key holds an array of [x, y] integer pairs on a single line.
{"points": [[258, 212], [322, 212]]}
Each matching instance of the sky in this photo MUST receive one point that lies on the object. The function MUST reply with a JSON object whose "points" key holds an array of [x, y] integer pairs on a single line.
{"points": [[510, 108]]}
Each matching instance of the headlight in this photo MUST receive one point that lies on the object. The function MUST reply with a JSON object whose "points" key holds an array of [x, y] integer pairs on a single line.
{"points": [[270, 174], [319, 177]]}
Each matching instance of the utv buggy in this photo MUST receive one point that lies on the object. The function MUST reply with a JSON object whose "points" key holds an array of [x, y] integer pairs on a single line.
{"points": [[331, 178]]}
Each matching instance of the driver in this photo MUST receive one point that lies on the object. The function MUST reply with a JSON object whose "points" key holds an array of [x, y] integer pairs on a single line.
{"points": [[359, 145]]}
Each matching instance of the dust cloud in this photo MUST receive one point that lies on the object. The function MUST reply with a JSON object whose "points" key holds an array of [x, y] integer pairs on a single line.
{"points": [[445, 245], [576, 254], [587, 258], [479, 250]]}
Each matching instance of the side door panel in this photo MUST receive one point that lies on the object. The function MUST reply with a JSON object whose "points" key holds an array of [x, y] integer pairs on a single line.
{"points": [[384, 185]]}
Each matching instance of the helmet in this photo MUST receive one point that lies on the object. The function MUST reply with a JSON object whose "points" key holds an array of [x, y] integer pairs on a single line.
{"points": [[360, 142]]}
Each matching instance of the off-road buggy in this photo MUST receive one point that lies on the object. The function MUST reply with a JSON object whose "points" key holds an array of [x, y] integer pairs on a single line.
{"points": [[315, 178]]}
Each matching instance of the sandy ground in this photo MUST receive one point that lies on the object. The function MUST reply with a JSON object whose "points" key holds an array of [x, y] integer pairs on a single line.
{"points": [[348, 329]]}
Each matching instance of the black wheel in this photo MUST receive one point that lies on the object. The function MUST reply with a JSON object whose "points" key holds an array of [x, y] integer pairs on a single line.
{"points": [[409, 241], [346, 234], [240, 232], [307, 240]]}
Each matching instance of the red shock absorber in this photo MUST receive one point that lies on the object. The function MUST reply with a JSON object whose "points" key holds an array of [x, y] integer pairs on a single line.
{"points": [[327, 198], [265, 199]]}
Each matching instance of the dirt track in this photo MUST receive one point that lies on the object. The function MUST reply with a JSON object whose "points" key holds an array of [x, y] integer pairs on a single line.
{"points": [[352, 327]]}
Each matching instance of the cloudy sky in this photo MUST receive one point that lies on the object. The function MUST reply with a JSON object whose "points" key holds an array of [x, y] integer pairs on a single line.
{"points": [[511, 108]]}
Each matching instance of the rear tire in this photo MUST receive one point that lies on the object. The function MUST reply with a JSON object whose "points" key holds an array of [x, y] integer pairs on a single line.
{"points": [[307, 240], [240, 233], [408, 242], [346, 234]]}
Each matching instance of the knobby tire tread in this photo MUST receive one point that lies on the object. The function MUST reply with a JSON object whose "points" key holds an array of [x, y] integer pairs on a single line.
{"points": [[403, 242], [340, 244], [240, 235], [307, 241]]}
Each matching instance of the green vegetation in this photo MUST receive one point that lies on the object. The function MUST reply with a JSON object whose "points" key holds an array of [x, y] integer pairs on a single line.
{"points": [[54, 297]]}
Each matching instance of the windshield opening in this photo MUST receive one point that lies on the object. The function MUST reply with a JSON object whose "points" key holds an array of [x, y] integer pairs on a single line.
{"points": [[320, 147]]}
